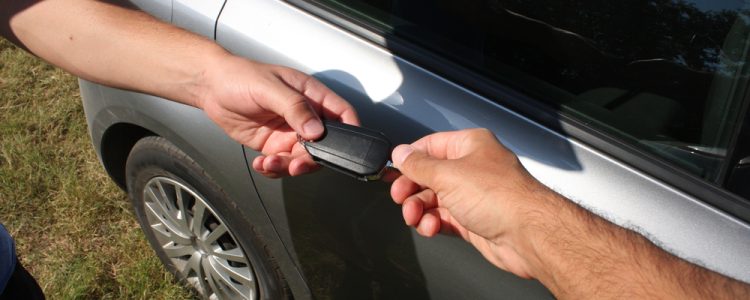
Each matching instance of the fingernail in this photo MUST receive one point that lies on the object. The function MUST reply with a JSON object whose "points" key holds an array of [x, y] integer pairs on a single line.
{"points": [[400, 153], [302, 169], [313, 128], [272, 163]]}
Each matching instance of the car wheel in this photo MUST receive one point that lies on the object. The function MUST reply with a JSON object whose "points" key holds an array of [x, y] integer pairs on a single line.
{"points": [[188, 220]]}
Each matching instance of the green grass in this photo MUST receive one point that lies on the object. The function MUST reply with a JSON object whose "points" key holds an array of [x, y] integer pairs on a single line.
{"points": [[74, 229]]}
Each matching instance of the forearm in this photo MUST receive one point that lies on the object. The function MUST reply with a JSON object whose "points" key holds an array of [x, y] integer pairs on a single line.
{"points": [[579, 255], [113, 45]]}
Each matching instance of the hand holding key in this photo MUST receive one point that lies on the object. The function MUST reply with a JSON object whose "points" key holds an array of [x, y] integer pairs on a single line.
{"points": [[265, 107], [354, 151], [467, 183]]}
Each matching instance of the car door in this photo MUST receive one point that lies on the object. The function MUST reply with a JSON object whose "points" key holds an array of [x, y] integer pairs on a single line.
{"points": [[161, 9], [194, 15], [198, 16], [415, 67]]}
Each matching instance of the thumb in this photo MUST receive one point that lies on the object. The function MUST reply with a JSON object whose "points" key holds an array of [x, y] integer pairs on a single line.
{"points": [[416, 165], [298, 113]]}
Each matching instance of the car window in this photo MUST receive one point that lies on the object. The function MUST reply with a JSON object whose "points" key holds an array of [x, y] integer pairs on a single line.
{"points": [[666, 75]]}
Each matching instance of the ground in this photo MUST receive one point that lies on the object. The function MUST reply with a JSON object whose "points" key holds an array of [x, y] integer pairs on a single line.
{"points": [[74, 228]]}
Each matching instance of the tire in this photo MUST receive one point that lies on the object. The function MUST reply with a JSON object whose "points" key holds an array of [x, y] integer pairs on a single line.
{"points": [[190, 223]]}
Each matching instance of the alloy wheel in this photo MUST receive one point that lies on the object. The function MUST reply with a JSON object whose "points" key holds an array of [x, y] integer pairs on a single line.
{"points": [[197, 241]]}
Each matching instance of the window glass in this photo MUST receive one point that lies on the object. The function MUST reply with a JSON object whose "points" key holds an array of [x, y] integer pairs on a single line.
{"points": [[667, 75]]}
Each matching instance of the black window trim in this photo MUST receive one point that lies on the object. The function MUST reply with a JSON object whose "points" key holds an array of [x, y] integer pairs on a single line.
{"points": [[545, 115], [740, 147]]}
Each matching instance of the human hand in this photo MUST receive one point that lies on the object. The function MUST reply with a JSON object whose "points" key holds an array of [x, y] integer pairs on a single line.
{"points": [[465, 182], [264, 107]]}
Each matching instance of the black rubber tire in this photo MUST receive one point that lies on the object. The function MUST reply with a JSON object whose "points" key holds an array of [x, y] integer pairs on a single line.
{"points": [[155, 156]]}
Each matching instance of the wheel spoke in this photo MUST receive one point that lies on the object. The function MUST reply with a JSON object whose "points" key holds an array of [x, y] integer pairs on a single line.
{"points": [[187, 227], [171, 235], [215, 234], [242, 275], [176, 251], [218, 270], [167, 230], [163, 194], [213, 278], [151, 210], [155, 200], [193, 264], [234, 255], [196, 224], [182, 217], [163, 204]]}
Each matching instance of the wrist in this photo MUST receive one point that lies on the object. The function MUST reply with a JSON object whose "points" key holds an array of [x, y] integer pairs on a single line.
{"points": [[207, 76], [543, 215]]}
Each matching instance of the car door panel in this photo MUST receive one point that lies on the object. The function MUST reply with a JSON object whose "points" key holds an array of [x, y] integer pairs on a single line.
{"points": [[161, 9], [198, 16], [348, 236]]}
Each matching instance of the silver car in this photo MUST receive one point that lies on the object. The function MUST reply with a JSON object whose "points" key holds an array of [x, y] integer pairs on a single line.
{"points": [[636, 110]]}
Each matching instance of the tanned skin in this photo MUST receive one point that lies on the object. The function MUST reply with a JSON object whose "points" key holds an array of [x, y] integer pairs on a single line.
{"points": [[262, 106], [464, 182], [467, 183]]}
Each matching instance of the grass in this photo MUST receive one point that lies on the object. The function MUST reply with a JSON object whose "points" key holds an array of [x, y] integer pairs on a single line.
{"points": [[74, 229]]}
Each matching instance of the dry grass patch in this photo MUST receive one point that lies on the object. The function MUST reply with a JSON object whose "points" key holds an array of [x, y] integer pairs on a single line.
{"points": [[74, 229]]}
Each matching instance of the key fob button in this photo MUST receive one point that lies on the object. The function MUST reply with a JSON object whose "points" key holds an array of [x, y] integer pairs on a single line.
{"points": [[355, 151]]}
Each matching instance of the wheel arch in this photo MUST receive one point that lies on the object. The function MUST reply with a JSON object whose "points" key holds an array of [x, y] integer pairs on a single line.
{"points": [[118, 119], [117, 142]]}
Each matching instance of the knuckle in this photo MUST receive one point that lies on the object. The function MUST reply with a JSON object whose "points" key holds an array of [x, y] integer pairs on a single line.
{"points": [[297, 78], [478, 138], [281, 69], [295, 105], [481, 133], [294, 98]]}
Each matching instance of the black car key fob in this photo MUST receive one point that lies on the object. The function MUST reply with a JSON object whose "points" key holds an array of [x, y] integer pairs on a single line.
{"points": [[355, 151]]}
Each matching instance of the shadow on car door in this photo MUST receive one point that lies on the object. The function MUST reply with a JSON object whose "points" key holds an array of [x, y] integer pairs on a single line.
{"points": [[348, 236]]}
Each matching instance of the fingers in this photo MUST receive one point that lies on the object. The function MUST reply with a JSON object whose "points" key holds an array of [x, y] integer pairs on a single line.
{"points": [[329, 103], [415, 205], [430, 224], [275, 166], [390, 175], [297, 112], [431, 166], [454, 144], [284, 95], [437, 220], [429, 219], [420, 211], [402, 188], [325, 101], [424, 161], [417, 165]]}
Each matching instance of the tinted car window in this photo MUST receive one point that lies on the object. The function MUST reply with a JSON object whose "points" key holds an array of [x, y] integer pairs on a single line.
{"points": [[668, 76]]}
